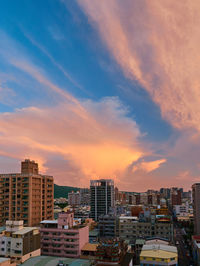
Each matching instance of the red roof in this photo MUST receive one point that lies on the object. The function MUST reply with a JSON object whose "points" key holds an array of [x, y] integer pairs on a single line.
{"points": [[197, 237]]}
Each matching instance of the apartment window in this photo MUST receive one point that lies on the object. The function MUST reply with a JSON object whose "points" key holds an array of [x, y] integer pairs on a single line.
{"points": [[17, 251], [57, 251], [71, 252]]}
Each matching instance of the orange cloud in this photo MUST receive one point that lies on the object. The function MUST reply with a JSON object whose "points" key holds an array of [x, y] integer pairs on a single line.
{"points": [[148, 166], [156, 43], [101, 143]]}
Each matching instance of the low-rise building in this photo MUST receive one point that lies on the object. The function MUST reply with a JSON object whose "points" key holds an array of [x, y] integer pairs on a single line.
{"points": [[19, 242], [158, 255], [131, 228], [62, 237], [113, 252], [108, 226], [88, 251]]}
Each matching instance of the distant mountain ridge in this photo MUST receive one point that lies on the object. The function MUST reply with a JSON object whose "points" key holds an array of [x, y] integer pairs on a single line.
{"points": [[62, 191]]}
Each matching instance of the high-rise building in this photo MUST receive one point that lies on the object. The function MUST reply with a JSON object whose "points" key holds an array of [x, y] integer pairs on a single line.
{"points": [[74, 198], [176, 196], [85, 196], [196, 207], [101, 197], [26, 196]]}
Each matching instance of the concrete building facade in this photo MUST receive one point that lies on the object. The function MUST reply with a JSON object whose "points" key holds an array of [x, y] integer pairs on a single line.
{"points": [[108, 226], [196, 207], [101, 197], [18, 242], [62, 238], [26, 196], [74, 198], [130, 228]]}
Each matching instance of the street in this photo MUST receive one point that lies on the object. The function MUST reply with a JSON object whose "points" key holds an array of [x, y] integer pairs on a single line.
{"points": [[184, 258]]}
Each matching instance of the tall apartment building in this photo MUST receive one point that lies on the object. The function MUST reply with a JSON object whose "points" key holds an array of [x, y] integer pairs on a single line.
{"points": [[85, 196], [74, 198], [165, 193], [26, 196], [101, 197], [176, 196], [19, 242], [196, 207]]}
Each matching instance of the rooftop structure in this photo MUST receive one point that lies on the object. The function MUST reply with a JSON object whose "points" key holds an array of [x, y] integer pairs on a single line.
{"points": [[111, 252]]}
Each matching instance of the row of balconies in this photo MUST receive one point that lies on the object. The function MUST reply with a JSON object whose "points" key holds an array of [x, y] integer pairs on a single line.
{"points": [[62, 246]]}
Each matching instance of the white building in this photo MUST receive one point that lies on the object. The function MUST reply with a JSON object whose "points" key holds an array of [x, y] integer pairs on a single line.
{"points": [[18, 242], [74, 198], [181, 210]]}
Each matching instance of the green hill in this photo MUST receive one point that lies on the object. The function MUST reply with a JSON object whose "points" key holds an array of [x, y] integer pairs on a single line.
{"points": [[62, 191]]}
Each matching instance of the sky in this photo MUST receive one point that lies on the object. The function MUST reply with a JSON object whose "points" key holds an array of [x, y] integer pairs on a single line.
{"points": [[102, 89]]}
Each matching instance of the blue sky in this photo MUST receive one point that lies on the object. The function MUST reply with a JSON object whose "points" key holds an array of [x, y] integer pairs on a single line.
{"points": [[50, 47], [64, 34]]}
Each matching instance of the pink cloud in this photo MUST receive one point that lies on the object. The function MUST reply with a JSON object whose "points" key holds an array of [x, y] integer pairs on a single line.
{"points": [[156, 43]]}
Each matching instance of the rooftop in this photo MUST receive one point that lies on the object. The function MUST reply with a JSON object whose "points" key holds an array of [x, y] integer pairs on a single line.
{"points": [[159, 251], [52, 261], [140, 242], [94, 233], [4, 259], [2, 228], [24, 230], [196, 237], [49, 222], [89, 247], [129, 217]]}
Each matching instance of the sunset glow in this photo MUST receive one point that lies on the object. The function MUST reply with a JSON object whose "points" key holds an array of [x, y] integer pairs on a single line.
{"points": [[102, 89]]}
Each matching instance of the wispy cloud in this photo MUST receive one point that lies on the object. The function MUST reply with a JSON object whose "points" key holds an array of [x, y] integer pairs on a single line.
{"points": [[56, 33], [156, 43], [61, 68]]}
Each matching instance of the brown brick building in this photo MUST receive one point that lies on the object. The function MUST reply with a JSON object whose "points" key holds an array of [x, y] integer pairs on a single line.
{"points": [[26, 196]]}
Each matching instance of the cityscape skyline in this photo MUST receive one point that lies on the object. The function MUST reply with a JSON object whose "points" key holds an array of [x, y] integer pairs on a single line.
{"points": [[95, 91], [100, 105]]}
